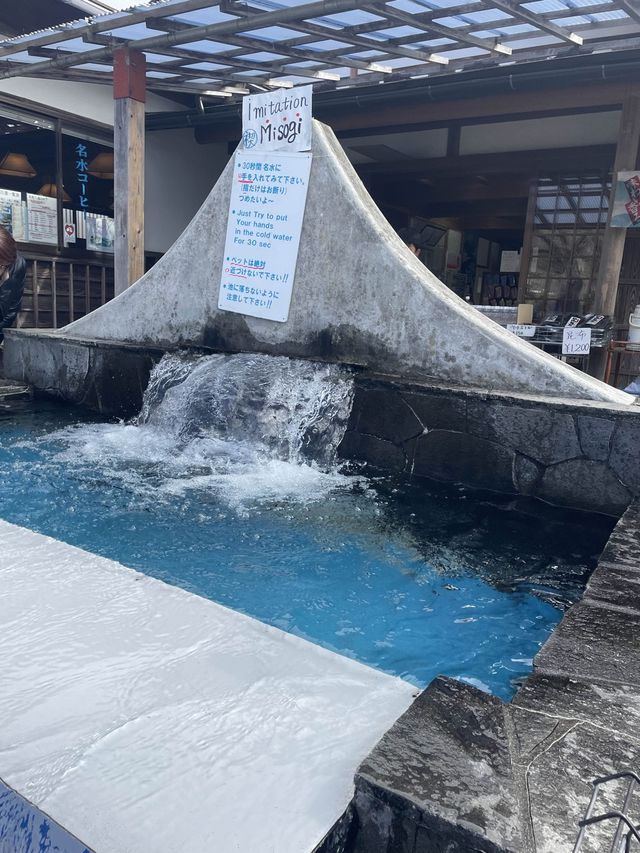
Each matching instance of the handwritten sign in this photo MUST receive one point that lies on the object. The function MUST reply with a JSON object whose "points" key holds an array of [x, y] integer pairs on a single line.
{"points": [[277, 121], [522, 330], [576, 341], [268, 198]]}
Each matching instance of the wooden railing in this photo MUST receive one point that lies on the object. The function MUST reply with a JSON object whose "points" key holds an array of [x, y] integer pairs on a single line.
{"points": [[60, 290]]}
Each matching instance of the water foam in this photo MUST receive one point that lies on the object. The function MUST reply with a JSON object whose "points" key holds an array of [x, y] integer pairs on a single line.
{"points": [[249, 428]]}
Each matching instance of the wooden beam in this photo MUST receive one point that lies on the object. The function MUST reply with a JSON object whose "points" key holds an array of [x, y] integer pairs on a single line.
{"points": [[614, 238], [550, 160], [129, 98]]}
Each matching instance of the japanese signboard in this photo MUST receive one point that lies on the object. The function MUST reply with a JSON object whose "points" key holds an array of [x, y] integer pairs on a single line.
{"points": [[277, 121], [576, 341], [626, 204], [268, 198]]}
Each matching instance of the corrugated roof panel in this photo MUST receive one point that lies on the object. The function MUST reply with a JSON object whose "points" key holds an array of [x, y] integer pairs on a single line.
{"points": [[542, 7], [263, 56], [573, 21], [210, 15], [434, 42], [614, 15], [452, 22], [210, 47], [463, 53], [400, 32], [274, 33], [483, 16]]}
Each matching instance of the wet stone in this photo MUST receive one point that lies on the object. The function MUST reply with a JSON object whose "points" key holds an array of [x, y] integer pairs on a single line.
{"points": [[448, 756], [594, 435], [614, 706], [625, 452], [375, 451], [540, 433], [616, 586], [438, 410], [384, 414], [526, 474], [584, 484], [593, 643], [456, 457]]}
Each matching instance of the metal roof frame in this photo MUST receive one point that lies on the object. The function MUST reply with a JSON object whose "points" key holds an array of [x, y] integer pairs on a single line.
{"points": [[226, 48]]}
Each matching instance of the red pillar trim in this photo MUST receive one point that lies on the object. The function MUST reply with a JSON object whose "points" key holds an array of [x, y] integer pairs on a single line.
{"points": [[129, 74]]}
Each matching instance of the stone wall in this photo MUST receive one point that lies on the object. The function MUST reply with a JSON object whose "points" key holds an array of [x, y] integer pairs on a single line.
{"points": [[579, 454]]}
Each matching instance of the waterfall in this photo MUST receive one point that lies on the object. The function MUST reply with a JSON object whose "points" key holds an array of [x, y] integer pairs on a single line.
{"points": [[281, 408]]}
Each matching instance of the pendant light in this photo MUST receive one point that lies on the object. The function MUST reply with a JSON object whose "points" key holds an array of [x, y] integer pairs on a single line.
{"points": [[51, 190], [102, 165], [16, 165]]}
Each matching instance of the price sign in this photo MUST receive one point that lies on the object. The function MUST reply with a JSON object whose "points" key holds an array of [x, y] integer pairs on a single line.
{"points": [[522, 330], [576, 341]]}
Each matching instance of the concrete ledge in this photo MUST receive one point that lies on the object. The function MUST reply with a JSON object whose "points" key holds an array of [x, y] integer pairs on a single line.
{"points": [[105, 376]]}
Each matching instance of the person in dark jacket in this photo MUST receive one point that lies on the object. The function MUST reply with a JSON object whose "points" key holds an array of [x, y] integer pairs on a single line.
{"points": [[12, 274]]}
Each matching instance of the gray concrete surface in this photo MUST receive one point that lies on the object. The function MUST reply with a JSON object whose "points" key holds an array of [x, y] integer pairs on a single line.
{"points": [[359, 297]]}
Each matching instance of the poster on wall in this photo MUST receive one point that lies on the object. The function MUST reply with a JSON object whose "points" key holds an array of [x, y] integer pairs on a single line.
{"points": [[626, 203], [100, 233], [277, 121], [268, 198], [42, 219], [10, 207]]}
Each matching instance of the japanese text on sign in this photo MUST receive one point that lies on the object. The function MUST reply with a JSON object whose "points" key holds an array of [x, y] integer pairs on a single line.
{"points": [[268, 198], [82, 174], [277, 121], [522, 330], [576, 341]]}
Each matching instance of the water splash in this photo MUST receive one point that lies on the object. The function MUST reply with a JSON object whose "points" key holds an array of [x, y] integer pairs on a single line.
{"points": [[249, 428], [294, 411]]}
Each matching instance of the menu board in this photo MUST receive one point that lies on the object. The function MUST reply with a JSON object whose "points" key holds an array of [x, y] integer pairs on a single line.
{"points": [[42, 219]]}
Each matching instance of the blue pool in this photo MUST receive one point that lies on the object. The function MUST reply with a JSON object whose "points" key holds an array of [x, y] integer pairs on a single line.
{"points": [[245, 504]]}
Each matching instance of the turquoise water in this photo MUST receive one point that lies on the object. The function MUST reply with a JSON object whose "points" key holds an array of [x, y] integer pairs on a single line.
{"points": [[415, 580]]}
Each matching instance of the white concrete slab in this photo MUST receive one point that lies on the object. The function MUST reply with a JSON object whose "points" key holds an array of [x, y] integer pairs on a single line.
{"points": [[144, 718]]}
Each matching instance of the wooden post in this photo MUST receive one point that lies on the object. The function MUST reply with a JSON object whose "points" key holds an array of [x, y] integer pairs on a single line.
{"points": [[129, 98], [614, 238]]}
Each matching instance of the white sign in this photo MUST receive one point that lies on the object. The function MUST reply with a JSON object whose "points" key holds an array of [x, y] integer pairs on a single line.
{"points": [[522, 330], [277, 121], [510, 261], [268, 198], [576, 341], [10, 207], [42, 219]]}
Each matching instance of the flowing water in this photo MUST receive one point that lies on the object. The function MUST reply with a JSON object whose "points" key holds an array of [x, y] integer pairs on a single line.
{"points": [[228, 484]]}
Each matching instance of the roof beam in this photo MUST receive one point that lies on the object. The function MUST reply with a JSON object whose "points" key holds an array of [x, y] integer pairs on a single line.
{"points": [[520, 14], [388, 46], [107, 24], [282, 48], [315, 9], [630, 7], [406, 18]]}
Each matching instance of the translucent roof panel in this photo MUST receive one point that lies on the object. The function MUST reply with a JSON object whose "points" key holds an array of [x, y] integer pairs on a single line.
{"points": [[274, 35]]}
